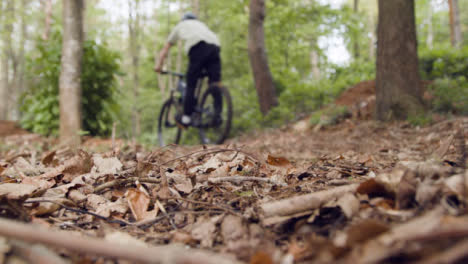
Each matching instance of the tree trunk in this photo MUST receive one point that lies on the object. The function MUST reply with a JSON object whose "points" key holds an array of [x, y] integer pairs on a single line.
{"points": [[48, 17], [314, 60], [258, 58], [398, 89], [70, 75], [133, 28], [455, 27], [430, 29], [19, 68], [372, 38], [7, 15], [196, 7], [356, 34]]}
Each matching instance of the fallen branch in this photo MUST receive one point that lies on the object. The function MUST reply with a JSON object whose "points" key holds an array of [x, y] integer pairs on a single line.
{"points": [[450, 255], [228, 210], [207, 152], [239, 179], [36, 253], [113, 183], [89, 245], [305, 202]]}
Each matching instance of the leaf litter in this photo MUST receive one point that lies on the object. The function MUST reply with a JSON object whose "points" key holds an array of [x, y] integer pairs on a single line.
{"points": [[358, 191]]}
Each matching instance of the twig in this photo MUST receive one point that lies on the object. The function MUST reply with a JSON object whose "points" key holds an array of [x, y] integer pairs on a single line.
{"points": [[80, 211], [305, 202], [36, 253], [90, 245], [143, 224], [210, 151], [113, 183], [239, 179], [229, 210], [163, 210]]}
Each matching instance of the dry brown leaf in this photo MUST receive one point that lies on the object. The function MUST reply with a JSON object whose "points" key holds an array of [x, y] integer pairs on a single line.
{"points": [[373, 188], [180, 236], [48, 158], [204, 230], [232, 228], [349, 204], [139, 202], [365, 230], [278, 161], [104, 207], [17, 191], [261, 257], [124, 239], [107, 165], [41, 184]]}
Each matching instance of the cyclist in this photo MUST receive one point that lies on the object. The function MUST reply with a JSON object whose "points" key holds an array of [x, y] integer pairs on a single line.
{"points": [[203, 48]]}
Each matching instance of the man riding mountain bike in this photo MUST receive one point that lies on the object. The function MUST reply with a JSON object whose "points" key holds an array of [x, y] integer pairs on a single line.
{"points": [[203, 49]]}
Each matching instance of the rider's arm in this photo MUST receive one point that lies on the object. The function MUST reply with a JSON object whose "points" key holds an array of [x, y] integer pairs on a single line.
{"points": [[162, 57]]}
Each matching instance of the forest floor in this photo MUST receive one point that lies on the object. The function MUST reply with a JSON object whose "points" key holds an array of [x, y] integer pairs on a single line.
{"points": [[358, 191]]}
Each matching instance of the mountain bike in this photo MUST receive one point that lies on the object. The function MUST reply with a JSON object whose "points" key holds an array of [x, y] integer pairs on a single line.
{"points": [[212, 115]]}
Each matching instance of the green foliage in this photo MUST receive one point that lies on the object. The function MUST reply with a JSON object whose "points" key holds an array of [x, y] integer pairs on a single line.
{"points": [[420, 120], [40, 107], [444, 62], [448, 68], [450, 95], [330, 115]]}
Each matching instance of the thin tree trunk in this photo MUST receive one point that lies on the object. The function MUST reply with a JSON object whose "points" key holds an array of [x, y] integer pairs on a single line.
{"points": [[356, 34], [398, 89], [19, 71], [372, 38], [455, 27], [70, 75], [258, 58], [314, 60], [48, 17], [196, 7], [7, 15], [133, 28], [430, 29]]}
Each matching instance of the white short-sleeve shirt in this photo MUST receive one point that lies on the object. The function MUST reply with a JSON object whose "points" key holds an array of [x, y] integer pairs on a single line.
{"points": [[192, 31]]}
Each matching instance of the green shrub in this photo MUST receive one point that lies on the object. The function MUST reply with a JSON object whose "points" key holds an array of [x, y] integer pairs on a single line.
{"points": [[330, 115], [450, 95], [443, 63], [40, 105]]}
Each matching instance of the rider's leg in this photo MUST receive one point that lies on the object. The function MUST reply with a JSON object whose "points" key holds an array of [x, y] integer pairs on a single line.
{"points": [[213, 68], [196, 58]]}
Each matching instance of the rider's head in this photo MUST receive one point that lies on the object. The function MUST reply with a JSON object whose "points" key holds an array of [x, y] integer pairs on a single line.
{"points": [[188, 15]]}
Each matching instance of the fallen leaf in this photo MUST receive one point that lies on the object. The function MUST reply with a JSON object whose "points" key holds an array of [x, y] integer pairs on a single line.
{"points": [[365, 230], [278, 161], [107, 165], [261, 257], [374, 189], [48, 158], [124, 239], [16, 191], [349, 204], [138, 202], [204, 230]]}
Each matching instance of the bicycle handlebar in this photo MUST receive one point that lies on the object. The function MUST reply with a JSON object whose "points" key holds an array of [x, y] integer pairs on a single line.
{"points": [[178, 74]]}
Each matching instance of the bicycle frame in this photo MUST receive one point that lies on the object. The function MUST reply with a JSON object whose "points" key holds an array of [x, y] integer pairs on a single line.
{"points": [[181, 81]]}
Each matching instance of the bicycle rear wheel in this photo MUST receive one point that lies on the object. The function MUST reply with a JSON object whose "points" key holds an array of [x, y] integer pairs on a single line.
{"points": [[168, 131], [215, 115]]}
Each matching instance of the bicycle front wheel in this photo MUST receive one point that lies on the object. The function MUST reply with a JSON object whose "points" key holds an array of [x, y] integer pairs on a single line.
{"points": [[215, 115], [168, 131]]}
